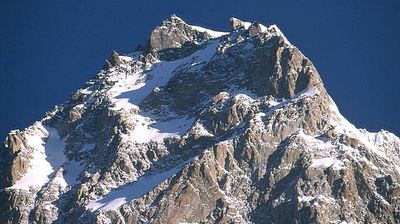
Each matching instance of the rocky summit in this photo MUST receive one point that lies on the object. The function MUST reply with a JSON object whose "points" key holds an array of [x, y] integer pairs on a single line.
{"points": [[200, 126]]}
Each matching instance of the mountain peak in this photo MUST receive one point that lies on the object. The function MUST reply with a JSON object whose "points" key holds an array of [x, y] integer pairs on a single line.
{"points": [[174, 33], [201, 127], [238, 24], [175, 19]]}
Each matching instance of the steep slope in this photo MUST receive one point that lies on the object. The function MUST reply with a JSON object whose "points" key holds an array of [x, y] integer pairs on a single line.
{"points": [[199, 126]]}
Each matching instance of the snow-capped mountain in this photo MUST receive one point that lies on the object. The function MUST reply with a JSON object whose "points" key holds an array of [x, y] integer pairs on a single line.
{"points": [[200, 126]]}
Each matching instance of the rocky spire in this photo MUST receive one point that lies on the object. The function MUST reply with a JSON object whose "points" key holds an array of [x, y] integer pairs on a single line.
{"points": [[174, 33], [237, 23]]}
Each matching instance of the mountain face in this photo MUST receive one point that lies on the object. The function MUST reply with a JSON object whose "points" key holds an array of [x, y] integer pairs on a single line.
{"points": [[199, 126]]}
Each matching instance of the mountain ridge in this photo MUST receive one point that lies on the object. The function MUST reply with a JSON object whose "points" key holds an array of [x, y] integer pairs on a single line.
{"points": [[243, 114]]}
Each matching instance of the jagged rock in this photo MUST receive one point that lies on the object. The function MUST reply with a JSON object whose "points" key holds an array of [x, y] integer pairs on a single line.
{"points": [[201, 127], [114, 60], [255, 29], [236, 23], [174, 33]]}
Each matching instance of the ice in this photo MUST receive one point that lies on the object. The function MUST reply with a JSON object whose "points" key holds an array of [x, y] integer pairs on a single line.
{"points": [[132, 191]]}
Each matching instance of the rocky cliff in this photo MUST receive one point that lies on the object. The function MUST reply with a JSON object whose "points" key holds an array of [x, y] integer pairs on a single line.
{"points": [[200, 126]]}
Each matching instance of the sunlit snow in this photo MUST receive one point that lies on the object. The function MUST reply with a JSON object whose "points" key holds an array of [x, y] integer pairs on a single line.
{"points": [[213, 34], [130, 92], [47, 157], [132, 191]]}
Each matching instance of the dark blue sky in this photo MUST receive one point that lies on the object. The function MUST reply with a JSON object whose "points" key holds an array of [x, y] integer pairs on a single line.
{"points": [[48, 49]]}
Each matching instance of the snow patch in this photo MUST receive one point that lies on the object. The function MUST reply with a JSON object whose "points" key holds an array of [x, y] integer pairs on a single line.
{"points": [[72, 170], [132, 191], [343, 126], [327, 162], [47, 157], [213, 34], [129, 91]]}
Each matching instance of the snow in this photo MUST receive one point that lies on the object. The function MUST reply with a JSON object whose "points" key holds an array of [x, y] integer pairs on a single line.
{"points": [[342, 125], [271, 29], [130, 91], [234, 90], [132, 191], [309, 92], [126, 58], [46, 158], [327, 162], [259, 115], [177, 126], [264, 29], [136, 88], [314, 143], [246, 25], [305, 198], [200, 130], [278, 32], [142, 133], [320, 198], [72, 171], [213, 34]]}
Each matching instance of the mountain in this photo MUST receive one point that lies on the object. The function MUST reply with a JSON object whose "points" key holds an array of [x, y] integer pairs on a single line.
{"points": [[199, 126]]}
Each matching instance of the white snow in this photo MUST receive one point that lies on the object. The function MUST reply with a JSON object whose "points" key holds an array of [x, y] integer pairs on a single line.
{"points": [[273, 29], [345, 127], [132, 191], [309, 92], [247, 25], [328, 162], [135, 88], [177, 126], [131, 90], [278, 32], [47, 151], [47, 157], [213, 34], [259, 116], [200, 130], [142, 133], [125, 58], [305, 198], [72, 170]]}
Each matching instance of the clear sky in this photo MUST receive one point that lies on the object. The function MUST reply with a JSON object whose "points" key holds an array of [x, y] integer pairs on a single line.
{"points": [[48, 49]]}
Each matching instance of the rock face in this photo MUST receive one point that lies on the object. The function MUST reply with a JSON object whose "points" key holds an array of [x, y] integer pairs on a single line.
{"points": [[201, 126]]}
